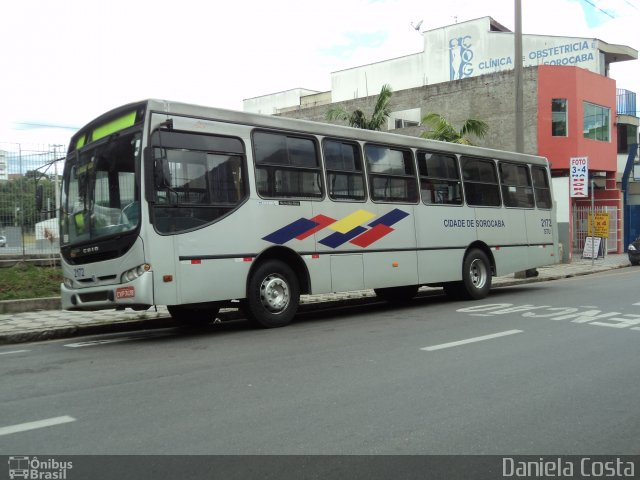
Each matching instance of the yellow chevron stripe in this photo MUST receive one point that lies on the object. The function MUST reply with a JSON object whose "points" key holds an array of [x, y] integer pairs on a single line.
{"points": [[351, 221]]}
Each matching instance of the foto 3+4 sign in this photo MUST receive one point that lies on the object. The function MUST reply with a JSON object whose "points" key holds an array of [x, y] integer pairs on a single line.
{"points": [[579, 168]]}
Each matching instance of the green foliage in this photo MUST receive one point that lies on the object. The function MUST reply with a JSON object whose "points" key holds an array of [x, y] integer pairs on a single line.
{"points": [[358, 119], [29, 281], [441, 129], [18, 199]]}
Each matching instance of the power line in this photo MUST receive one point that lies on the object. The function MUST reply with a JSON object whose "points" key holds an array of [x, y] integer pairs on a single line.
{"points": [[47, 125], [600, 9]]}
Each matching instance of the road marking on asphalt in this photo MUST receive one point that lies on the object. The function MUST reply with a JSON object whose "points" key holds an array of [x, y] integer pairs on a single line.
{"points": [[470, 340], [47, 422], [93, 343], [14, 351]]}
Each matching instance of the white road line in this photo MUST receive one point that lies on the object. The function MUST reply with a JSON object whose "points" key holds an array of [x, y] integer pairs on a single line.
{"points": [[93, 343], [470, 340], [14, 351], [47, 422], [637, 303]]}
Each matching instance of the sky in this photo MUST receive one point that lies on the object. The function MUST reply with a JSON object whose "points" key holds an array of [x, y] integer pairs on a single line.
{"points": [[64, 62]]}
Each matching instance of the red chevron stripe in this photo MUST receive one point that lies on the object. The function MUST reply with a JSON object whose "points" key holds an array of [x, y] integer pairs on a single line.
{"points": [[372, 235], [322, 221]]}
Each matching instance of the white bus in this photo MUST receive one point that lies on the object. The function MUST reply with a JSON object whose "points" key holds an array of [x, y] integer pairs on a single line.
{"points": [[192, 207]]}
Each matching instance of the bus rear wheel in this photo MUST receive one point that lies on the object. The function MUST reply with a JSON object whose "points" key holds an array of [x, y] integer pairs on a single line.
{"points": [[193, 316], [476, 277], [273, 295]]}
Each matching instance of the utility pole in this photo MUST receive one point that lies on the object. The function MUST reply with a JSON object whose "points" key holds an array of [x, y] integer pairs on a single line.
{"points": [[532, 272], [518, 78], [55, 180]]}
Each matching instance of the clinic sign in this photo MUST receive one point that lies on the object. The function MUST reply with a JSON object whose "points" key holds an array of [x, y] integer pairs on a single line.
{"points": [[579, 177], [465, 60], [472, 51]]}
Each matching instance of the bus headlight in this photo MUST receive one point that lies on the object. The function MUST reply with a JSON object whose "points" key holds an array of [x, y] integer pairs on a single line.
{"points": [[133, 273], [67, 282]]}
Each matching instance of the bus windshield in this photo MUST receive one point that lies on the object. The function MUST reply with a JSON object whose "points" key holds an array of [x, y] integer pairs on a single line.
{"points": [[100, 193]]}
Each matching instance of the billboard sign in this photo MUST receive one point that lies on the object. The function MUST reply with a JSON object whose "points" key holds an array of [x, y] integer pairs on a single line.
{"points": [[579, 174]]}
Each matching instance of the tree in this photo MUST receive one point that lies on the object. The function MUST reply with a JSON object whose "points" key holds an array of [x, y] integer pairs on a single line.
{"points": [[441, 129], [358, 119]]}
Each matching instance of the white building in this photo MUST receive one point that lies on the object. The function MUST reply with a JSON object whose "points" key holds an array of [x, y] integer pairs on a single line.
{"points": [[454, 52]]}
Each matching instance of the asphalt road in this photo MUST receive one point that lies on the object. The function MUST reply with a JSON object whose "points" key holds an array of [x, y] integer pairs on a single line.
{"points": [[547, 368]]}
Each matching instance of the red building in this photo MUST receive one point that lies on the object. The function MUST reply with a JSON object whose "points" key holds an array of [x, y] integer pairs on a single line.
{"points": [[576, 115]]}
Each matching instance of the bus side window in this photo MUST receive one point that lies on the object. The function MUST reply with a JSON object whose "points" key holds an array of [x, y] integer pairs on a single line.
{"points": [[392, 175], [439, 178], [481, 187], [516, 185], [541, 187], [202, 184], [287, 166], [345, 175]]}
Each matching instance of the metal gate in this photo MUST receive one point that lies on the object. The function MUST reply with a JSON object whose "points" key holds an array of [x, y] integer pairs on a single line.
{"points": [[581, 227]]}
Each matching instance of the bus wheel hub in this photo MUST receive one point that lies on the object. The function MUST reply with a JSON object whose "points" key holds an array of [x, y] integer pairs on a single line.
{"points": [[274, 293]]}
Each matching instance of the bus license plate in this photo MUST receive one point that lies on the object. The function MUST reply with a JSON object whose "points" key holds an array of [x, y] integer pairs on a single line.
{"points": [[125, 292]]}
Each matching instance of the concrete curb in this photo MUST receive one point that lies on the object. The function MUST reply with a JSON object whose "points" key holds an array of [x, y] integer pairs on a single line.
{"points": [[30, 305], [83, 330]]}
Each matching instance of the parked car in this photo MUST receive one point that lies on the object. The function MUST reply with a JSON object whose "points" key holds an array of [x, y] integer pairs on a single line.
{"points": [[3, 241], [634, 252]]}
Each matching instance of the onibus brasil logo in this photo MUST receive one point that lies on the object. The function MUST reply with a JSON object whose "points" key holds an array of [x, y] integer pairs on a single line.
{"points": [[38, 469]]}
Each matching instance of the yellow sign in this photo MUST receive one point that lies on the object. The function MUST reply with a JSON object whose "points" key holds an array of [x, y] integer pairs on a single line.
{"points": [[602, 225]]}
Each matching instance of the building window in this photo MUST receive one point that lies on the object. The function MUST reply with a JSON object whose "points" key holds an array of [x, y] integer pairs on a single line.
{"points": [[559, 117], [400, 123], [596, 122], [627, 135]]}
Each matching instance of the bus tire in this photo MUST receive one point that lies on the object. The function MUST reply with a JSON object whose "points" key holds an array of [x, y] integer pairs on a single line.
{"points": [[193, 317], [273, 295], [476, 275], [476, 278], [397, 294]]}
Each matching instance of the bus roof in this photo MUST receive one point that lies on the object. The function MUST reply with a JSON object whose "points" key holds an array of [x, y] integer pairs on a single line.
{"points": [[110, 119]]}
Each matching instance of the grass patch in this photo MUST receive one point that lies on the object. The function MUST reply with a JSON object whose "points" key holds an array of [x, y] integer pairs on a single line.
{"points": [[29, 281]]}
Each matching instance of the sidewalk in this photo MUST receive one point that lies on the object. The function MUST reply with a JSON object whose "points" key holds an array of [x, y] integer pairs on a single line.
{"points": [[54, 323]]}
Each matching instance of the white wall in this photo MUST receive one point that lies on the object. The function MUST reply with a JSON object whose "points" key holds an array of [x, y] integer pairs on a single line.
{"points": [[269, 104], [460, 51], [560, 186]]}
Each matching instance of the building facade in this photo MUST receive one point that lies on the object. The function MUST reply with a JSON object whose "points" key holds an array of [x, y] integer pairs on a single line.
{"points": [[466, 71]]}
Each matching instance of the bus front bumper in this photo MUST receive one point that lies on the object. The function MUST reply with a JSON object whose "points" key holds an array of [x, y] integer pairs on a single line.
{"points": [[137, 294]]}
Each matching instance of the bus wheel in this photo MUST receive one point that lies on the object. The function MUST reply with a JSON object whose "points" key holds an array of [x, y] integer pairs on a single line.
{"points": [[476, 278], [476, 275], [397, 294], [193, 317], [273, 295]]}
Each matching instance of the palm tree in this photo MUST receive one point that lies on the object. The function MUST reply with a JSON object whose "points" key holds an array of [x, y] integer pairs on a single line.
{"points": [[441, 129], [358, 119]]}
